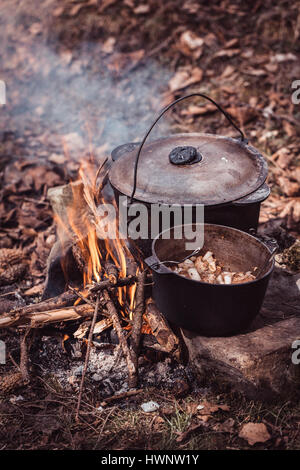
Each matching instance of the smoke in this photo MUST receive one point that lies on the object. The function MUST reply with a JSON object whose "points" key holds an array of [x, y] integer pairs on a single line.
{"points": [[75, 93]]}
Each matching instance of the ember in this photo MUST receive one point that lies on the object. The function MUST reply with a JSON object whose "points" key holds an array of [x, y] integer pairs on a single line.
{"points": [[207, 269]]}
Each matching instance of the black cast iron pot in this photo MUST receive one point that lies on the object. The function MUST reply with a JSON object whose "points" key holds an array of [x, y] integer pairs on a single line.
{"points": [[211, 309], [226, 175]]}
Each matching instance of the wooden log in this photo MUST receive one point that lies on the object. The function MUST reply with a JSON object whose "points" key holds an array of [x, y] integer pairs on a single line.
{"points": [[167, 339], [60, 301], [257, 364], [38, 319], [137, 322]]}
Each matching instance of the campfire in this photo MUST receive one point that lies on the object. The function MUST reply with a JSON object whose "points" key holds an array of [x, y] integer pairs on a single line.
{"points": [[110, 286]]}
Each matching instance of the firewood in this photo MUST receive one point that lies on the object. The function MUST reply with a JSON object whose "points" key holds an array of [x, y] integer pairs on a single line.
{"points": [[63, 300], [120, 396], [126, 281], [164, 335], [112, 272], [137, 321], [38, 319]]}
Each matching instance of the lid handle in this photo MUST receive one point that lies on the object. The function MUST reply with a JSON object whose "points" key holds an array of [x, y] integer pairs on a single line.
{"points": [[158, 118]]}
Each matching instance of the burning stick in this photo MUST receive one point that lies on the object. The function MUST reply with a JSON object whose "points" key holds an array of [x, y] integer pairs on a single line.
{"points": [[137, 321], [87, 356], [37, 319], [122, 340], [168, 341]]}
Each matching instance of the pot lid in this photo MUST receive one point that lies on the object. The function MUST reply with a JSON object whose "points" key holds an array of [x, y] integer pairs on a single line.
{"points": [[190, 169]]}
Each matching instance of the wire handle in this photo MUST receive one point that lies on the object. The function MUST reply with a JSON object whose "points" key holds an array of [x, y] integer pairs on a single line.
{"points": [[158, 118]]}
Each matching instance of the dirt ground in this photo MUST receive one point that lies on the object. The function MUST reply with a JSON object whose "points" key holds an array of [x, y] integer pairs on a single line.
{"points": [[85, 76]]}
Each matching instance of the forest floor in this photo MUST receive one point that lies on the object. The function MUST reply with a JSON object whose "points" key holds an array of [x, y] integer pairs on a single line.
{"points": [[83, 77]]}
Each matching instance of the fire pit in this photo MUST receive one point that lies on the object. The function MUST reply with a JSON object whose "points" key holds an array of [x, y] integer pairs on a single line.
{"points": [[211, 309]]}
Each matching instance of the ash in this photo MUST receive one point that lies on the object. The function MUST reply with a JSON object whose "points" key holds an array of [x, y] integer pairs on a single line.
{"points": [[107, 371]]}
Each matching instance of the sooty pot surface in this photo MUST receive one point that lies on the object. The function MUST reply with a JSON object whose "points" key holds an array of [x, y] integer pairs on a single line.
{"points": [[211, 309]]}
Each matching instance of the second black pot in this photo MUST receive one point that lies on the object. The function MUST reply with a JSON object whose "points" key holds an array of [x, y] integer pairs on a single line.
{"points": [[211, 309]]}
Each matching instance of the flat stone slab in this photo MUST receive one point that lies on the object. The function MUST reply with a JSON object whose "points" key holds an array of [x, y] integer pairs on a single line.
{"points": [[257, 363]]}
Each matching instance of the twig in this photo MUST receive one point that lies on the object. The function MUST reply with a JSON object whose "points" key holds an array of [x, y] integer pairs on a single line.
{"points": [[107, 284], [138, 320], [103, 426], [24, 359], [119, 396], [87, 356], [85, 299], [122, 340]]}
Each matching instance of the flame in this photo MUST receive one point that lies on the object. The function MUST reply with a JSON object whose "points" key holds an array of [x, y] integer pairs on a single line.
{"points": [[87, 228]]}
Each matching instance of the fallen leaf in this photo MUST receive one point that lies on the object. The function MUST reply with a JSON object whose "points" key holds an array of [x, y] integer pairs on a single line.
{"points": [[242, 114], [35, 290], [227, 53], [183, 78], [142, 9], [283, 57], [193, 110], [108, 46], [288, 187], [227, 426], [190, 44], [255, 72], [209, 408], [183, 436], [283, 157], [229, 69], [105, 4], [254, 432]]}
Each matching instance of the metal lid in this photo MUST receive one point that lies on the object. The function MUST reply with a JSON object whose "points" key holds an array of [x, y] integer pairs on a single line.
{"points": [[191, 169]]}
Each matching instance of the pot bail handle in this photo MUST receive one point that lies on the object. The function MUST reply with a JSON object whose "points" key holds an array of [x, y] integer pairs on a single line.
{"points": [[243, 139]]}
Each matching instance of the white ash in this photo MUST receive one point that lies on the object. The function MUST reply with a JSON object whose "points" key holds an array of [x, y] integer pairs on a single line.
{"points": [[106, 370], [150, 406], [206, 268]]}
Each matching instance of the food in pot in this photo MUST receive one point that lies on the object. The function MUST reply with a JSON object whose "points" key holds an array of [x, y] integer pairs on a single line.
{"points": [[206, 268]]}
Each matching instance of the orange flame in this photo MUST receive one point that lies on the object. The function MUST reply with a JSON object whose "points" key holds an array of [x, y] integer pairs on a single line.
{"points": [[85, 225]]}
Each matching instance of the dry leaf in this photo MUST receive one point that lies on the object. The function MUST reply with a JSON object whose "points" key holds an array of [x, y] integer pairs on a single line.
{"points": [[193, 110], [35, 290], [228, 71], [255, 72], [227, 53], [254, 432], [108, 46], [142, 9], [186, 434], [183, 78], [190, 44], [209, 408], [288, 187], [242, 114], [283, 157], [105, 4], [227, 426]]}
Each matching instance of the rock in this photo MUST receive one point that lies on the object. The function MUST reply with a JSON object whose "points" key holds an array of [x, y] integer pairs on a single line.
{"points": [[257, 363], [150, 406], [96, 377], [78, 371]]}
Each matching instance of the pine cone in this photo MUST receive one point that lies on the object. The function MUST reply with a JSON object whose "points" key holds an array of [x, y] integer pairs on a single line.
{"points": [[12, 265], [10, 382]]}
